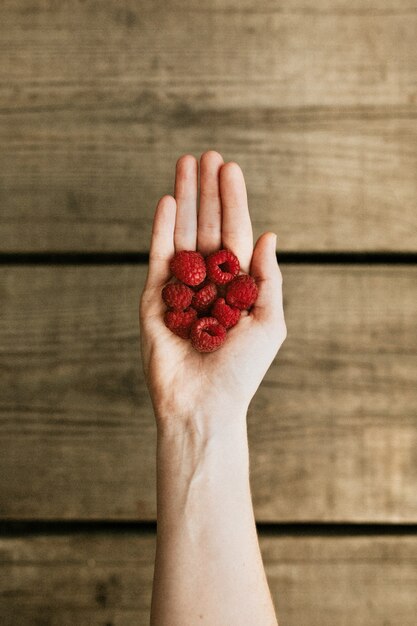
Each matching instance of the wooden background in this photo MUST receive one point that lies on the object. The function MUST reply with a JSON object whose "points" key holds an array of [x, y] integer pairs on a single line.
{"points": [[317, 101]]}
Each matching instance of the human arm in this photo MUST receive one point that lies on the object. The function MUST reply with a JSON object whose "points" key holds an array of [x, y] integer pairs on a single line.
{"points": [[208, 567]]}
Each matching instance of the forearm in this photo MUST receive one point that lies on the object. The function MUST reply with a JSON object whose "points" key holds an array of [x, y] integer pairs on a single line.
{"points": [[208, 567]]}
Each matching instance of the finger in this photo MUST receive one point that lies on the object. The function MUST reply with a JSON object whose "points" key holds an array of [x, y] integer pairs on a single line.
{"points": [[236, 224], [185, 235], [162, 242], [266, 272], [210, 210]]}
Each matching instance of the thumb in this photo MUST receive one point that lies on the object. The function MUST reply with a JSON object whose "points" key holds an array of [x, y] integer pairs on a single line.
{"points": [[268, 277]]}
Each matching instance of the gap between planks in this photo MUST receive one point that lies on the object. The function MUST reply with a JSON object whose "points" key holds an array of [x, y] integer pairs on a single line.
{"points": [[14, 528], [139, 258]]}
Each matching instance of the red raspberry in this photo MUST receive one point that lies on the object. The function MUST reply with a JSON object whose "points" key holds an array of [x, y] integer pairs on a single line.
{"points": [[242, 292], [222, 266], [207, 334], [180, 322], [177, 296], [204, 297], [228, 316], [188, 266]]}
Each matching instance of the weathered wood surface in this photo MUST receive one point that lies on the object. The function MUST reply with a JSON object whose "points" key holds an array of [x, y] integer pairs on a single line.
{"points": [[333, 428], [101, 579], [315, 100]]}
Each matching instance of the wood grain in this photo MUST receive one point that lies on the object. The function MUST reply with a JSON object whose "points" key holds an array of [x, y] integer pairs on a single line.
{"points": [[100, 578], [315, 100], [333, 428]]}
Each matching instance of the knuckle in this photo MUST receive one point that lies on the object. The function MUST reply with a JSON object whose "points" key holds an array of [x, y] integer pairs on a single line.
{"points": [[183, 229], [155, 256], [212, 227], [209, 193]]}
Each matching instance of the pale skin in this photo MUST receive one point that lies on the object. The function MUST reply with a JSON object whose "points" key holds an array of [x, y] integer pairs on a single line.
{"points": [[208, 565]]}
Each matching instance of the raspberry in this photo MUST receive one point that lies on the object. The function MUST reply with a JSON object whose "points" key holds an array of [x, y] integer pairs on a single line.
{"points": [[212, 284], [242, 292], [189, 267], [207, 334], [228, 316], [177, 296], [204, 297], [180, 322], [222, 266]]}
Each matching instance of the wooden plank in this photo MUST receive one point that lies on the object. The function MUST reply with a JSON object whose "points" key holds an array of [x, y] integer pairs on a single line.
{"points": [[98, 100], [333, 428], [100, 578]]}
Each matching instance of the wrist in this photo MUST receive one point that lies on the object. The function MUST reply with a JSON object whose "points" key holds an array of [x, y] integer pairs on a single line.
{"points": [[201, 477], [201, 426], [207, 438], [203, 440]]}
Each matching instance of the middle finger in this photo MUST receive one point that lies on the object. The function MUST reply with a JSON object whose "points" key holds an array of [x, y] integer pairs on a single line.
{"points": [[210, 209]]}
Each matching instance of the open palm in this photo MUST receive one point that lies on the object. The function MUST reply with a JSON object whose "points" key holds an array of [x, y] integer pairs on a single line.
{"points": [[183, 382]]}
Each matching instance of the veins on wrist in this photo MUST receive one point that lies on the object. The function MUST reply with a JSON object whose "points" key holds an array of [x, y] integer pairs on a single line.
{"points": [[201, 427]]}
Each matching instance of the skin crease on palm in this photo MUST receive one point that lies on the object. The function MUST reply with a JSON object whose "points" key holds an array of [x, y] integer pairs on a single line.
{"points": [[209, 211]]}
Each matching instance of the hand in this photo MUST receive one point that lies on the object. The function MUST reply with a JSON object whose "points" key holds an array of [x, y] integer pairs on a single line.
{"points": [[185, 385]]}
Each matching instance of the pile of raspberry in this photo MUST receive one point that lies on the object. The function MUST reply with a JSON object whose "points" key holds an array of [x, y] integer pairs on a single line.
{"points": [[207, 297]]}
